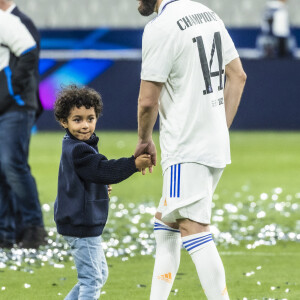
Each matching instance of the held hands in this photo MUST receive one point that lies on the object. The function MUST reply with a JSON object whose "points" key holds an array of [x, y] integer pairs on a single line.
{"points": [[142, 162], [146, 147]]}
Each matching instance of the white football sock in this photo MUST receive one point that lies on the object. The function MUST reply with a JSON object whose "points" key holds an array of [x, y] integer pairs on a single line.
{"points": [[167, 259], [206, 258]]}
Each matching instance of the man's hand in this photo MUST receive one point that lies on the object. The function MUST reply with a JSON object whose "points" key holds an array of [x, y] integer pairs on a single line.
{"points": [[146, 148]]}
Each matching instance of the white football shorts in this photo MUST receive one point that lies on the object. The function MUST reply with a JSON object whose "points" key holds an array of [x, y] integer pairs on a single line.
{"points": [[187, 192]]}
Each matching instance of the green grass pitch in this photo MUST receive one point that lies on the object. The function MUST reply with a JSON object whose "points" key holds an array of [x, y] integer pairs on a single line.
{"points": [[257, 202]]}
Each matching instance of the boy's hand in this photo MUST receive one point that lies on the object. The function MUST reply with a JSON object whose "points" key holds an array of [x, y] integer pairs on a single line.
{"points": [[142, 162]]}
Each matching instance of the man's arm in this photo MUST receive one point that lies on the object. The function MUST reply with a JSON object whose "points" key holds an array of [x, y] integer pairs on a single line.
{"points": [[25, 66], [147, 115], [20, 42], [235, 82]]}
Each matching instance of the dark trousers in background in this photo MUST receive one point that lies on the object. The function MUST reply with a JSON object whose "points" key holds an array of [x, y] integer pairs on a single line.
{"points": [[19, 203]]}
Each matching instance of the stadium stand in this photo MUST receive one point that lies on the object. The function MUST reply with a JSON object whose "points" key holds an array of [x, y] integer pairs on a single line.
{"points": [[98, 43], [123, 13]]}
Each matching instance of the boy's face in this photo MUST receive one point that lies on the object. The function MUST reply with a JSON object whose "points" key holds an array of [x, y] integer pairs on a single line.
{"points": [[81, 122]]}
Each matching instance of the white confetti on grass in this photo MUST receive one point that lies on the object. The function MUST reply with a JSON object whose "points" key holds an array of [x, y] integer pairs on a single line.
{"points": [[278, 190], [248, 274], [264, 196], [248, 219], [58, 266], [261, 214], [46, 207]]}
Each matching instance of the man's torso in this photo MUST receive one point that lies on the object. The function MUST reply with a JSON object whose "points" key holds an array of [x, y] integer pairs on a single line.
{"points": [[187, 48]]}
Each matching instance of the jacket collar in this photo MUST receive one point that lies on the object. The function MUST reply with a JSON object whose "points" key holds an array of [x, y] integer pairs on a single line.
{"points": [[92, 141]]}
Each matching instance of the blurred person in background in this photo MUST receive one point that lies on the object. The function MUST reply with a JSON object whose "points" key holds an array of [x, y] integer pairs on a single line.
{"points": [[21, 219], [276, 39], [186, 52]]}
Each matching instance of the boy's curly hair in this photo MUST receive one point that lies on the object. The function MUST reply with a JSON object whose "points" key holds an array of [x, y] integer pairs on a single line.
{"points": [[71, 96]]}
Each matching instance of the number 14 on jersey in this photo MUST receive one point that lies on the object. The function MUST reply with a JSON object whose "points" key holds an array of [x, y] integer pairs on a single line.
{"points": [[206, 68]]}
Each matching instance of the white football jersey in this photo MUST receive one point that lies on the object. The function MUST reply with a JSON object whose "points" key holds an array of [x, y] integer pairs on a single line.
{"points": [[186, 47]]}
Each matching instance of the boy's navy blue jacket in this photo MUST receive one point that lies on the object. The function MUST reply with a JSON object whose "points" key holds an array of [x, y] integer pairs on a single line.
{"points": [[81, 206]]}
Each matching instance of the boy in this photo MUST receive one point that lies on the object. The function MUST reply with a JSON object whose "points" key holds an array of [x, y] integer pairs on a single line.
{"points": [[81, 206]]}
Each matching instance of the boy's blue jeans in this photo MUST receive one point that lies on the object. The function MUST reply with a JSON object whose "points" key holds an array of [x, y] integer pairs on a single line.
{"points": [[91, 267]]}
